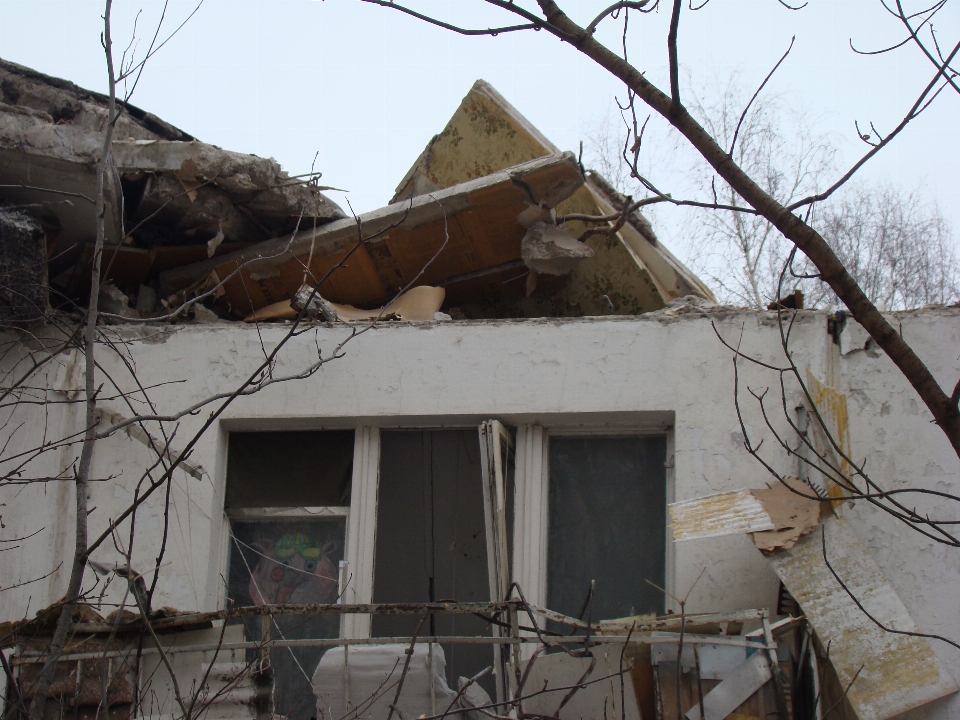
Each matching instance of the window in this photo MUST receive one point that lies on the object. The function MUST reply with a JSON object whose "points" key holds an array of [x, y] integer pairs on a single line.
{"points": [[287, 498], [408, 516], [606, 523], [431, 538]]}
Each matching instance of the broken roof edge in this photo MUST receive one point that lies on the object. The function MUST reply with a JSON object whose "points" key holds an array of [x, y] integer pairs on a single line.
{"points": [[411, 214], [679, 312], [654, 256], [484, 88], [149, 121]]}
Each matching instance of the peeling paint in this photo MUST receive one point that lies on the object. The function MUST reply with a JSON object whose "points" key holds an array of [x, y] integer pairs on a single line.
{"points": [[718, 515], [831, 404], [899, 672]]}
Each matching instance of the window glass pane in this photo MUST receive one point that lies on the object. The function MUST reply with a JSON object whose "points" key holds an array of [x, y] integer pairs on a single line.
{"points": [[293, 561], [431, 539], [289, 469], [607, 508]]}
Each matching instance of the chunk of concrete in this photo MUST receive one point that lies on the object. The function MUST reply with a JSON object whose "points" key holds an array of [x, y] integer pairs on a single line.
{"points": [[552, 250]]}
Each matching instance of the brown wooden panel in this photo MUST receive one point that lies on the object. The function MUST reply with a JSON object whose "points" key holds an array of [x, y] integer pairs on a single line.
{"points": [[127, 267], [414, 250], [170, 256], [243, 294], [353, 283], [500, 232], [643, 683], [486, 234]]}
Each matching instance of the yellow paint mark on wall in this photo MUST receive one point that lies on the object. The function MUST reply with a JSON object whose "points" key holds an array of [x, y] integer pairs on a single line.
{"points": [[831, 404]]}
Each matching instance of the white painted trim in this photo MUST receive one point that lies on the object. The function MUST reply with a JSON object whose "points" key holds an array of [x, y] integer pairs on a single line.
{"points": [[530, 514], [219, 557], [670, 562], [626, 430], [362, 529]]}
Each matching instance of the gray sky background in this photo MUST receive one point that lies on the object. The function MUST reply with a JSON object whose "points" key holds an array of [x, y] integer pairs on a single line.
{"points": [[366, 87]]}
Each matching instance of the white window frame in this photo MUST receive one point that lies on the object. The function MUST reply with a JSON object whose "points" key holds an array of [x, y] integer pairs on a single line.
{"points": [[357, 570], [531, 510], [633, 429]]}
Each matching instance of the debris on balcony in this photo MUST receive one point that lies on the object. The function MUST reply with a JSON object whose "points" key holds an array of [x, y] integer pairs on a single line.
{"points": [[823, 564]]}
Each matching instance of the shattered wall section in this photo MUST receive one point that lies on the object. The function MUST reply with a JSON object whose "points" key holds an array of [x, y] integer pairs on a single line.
{"points": [[485, 134], [630, 273]]}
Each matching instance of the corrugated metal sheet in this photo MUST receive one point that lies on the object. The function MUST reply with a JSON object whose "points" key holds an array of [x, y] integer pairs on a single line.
{"points": [[729, 513]]}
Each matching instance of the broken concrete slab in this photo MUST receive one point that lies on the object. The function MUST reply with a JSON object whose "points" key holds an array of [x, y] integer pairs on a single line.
{"points": [[199, 187], [113, 301], [68, 104], [551, 250], [465, 238], [173, 190]]}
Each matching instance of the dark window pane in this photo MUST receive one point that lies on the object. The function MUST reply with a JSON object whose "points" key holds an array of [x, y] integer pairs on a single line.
{"points": [[293, 561], [431, 539], [607, 523], [289, 469]]}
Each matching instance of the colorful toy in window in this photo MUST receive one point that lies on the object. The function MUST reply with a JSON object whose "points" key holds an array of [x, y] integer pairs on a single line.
{"points": [[295, 568]]}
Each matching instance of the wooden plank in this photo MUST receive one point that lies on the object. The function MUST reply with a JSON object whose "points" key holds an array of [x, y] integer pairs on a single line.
{"points": [[899, 672], [735, 690], [126, 267], [558, 171]]}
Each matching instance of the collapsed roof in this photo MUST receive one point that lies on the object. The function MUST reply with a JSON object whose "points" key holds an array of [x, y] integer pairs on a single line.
{"points": [[477, 215], [630, 273], [180, 199]]}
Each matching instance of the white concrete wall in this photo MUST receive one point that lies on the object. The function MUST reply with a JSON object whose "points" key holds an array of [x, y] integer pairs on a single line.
{"points": [[591, 370]]}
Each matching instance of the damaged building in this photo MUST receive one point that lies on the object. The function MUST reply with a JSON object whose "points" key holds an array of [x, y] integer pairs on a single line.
{"points": [[498, 470]]}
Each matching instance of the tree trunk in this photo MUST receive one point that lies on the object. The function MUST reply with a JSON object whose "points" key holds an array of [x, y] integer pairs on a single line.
{"points": [[831, 270]]}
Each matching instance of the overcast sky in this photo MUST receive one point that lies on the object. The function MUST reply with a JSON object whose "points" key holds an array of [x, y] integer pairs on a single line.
{"points": [[366, 87]]}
